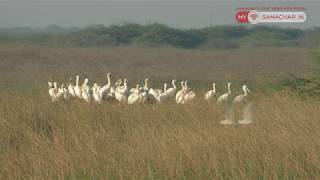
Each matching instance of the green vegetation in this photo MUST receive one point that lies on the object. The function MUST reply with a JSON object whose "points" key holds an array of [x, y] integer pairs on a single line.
{"points": [[221, 37]]}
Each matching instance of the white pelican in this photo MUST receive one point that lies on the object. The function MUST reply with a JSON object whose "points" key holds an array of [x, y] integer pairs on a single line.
{"points": [[113, 89], [189, 95], [240, 98], [71, 88], [95, 93], [171, 92], [145, 87], [179, 93], [53, 90], [50, 83], [85, 91], [57, 93], [247, 110], [134, 96], [147, 98], [225, 97], [77, 89], [124, 90], [211, 93], [156, 93], [134, 90], [118, 95], [162, 96], [64, 91], [104, 90]]}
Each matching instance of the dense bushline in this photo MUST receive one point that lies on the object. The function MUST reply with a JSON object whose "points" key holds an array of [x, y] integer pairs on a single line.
{"points": [[225, 37]]}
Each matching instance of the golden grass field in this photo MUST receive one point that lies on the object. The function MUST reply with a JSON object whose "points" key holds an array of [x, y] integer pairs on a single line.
{"points": [[76, 140]]}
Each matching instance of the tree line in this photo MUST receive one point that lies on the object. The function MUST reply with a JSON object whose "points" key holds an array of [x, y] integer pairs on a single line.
{"points": [[157, 35]]}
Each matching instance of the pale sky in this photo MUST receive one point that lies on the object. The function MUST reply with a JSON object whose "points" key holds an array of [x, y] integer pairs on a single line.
{"points": [[178, 13]]}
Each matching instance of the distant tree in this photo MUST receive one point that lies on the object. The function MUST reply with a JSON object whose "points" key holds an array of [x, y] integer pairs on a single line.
{"points": [[161, 34], [225, 32], [155, 34]]}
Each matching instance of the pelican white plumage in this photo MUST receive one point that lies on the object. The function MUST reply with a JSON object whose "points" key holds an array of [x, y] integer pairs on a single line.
{"points": [[124, 90], [118, 95], [162, 96], [104, 90], [240, 98], [189, 95], [156, 93], [134, 96], [229, 108], [50, 83], [77, 88], [179, 93], [134, 90], [85, 82], [58, 93], [165, 85], [53, 90], [247, 110], [225, 96], [65, 92], [145, 87], [71, 88], [211, 93], [171, 92], [97, 97], [85, 91], [185, 94], [85, 94], [112, 91], [181, 99], [146, 97]]}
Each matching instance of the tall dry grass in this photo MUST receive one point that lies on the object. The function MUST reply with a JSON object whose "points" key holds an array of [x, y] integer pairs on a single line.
{"points": [[75, 140]]}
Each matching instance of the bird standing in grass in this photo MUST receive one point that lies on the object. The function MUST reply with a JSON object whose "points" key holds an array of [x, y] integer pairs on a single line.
{"points": [[247, 107], [77, 88], [228, 108], [71, 88], [240, 98], [225, 96], [85, 91], [211, 93]]}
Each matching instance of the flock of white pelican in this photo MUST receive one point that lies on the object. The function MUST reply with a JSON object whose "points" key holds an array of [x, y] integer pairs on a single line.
{"points": [[119, 91]]}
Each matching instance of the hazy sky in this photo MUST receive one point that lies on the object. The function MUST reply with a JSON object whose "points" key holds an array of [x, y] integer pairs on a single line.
{"points": [[178, 13]]}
